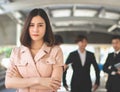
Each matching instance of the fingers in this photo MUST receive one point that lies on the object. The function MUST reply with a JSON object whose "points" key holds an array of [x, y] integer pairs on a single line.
{"points": [[55, 87], [51, 83], [14, 73], [55, 84], [10, 74]]}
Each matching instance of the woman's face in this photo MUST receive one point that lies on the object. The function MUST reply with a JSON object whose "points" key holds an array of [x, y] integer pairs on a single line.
{"points": [[37, 28]]}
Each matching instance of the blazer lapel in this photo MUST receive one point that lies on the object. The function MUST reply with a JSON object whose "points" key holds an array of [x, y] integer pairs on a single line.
{"points": [[42, 52], [86, 58], [26, 55], [79, 58]]}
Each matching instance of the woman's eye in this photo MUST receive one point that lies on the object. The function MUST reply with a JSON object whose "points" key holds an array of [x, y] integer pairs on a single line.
{"points": [[31, 25], [40, 25]]}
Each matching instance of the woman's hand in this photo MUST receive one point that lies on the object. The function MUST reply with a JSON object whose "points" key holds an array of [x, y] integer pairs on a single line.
{"points": [[50, 83], [14, 73]]}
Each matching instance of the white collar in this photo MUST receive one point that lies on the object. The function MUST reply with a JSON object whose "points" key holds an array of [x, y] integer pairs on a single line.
{"points": [[81, 52], [117, 52]]}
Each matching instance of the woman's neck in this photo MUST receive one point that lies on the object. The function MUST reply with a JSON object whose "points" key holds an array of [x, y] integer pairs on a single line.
{"points": [[36, 45]]}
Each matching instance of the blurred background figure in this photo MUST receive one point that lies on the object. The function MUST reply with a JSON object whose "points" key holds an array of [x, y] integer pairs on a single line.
{"points": [[112, 67], [81, 60], [58, 39]]}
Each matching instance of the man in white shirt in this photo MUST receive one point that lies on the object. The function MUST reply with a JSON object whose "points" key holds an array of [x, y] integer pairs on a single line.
{"points": [[81, 60], [112, 67]]}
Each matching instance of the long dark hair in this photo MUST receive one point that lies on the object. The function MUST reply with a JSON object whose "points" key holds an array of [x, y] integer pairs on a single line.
{"points": [[48, 37]]}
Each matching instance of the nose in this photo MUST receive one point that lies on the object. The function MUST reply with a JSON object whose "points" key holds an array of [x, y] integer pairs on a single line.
{"points": [[35, 29]]}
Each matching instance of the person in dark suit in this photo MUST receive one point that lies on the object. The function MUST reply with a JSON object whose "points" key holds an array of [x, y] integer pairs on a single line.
{"points": [[113, 71], [81, 60]]}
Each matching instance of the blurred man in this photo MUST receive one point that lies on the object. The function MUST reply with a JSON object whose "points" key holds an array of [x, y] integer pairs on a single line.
{"points": [[81, 61], [112, 67]]}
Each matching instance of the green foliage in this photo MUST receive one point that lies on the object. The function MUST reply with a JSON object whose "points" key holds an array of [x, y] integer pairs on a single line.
{"points": [[6, 51]]}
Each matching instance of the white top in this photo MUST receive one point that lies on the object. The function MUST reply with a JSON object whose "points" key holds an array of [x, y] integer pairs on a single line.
{"points": [[82, 57]]}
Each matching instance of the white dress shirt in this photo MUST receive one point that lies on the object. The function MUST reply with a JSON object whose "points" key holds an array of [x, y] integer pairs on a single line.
{"points": [[82, 57], [117, 52]]}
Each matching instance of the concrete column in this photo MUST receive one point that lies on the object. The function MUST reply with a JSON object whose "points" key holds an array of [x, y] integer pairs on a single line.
{"points": [[18, 33]]}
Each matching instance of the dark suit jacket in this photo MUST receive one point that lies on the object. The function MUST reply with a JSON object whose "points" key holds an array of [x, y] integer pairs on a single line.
{"points": [[81, 81], [113, 82]]}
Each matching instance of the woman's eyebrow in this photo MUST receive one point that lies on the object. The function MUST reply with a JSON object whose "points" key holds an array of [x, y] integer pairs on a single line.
{"points": [[37, 23], [40, 23]]}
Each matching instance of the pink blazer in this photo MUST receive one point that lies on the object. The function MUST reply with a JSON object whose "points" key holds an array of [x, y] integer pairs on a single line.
{"points": [[41, 66]]}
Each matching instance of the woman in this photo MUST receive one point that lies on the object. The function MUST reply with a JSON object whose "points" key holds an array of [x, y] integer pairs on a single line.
{"points": [[36, 66]]}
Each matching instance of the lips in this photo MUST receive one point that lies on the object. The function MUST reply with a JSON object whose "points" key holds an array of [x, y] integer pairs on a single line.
{"points": [[35, 35]]}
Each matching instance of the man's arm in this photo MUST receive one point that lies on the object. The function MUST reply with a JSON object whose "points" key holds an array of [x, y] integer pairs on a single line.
{"points": [[97, 70], [64, 79], [108, 68], [68, 61]]}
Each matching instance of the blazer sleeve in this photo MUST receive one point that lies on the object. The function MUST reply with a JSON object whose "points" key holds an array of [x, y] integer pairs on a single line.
{"points": [[57, 72], [108, 67], [12, 67], [97, 70], [68, 61]]}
